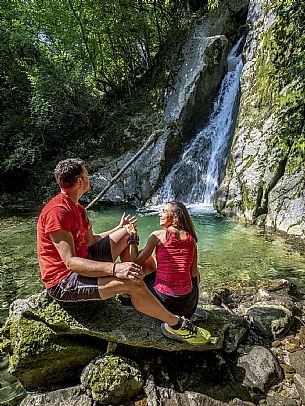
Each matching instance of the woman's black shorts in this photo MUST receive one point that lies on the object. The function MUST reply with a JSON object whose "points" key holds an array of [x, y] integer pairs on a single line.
{"points": [[184, 305]]}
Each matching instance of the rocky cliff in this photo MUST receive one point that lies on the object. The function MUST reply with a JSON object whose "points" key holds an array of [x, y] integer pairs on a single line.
{"points": [[264, 181], [187, 103]]}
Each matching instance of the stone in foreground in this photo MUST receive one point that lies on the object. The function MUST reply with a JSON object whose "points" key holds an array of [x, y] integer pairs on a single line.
{"points": [[262, 369], [112, 379], [62, 397]]}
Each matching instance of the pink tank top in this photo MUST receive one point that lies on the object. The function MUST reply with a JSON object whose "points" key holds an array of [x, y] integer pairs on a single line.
{"points": [[174, 261]]}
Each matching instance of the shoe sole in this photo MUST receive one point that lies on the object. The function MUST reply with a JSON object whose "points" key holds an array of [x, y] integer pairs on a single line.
{"points": [[178, 338]]}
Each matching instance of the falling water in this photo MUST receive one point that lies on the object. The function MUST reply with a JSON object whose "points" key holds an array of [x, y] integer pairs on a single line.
{"points": [[196, 176]]}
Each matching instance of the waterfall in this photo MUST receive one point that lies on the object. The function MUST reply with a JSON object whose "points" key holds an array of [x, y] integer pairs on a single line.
{"points": [[196, 176]]}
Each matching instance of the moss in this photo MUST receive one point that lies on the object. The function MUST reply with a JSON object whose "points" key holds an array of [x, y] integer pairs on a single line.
{"points": [[28, 336], [245, 192], [230, 204], [247, 165], [33, 338], [112, 379], [54, 313], [5, 345], [279, 86], [41, 358]]}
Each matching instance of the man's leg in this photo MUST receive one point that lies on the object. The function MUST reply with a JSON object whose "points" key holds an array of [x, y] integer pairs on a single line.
{"points": [[109, 248], [142, 299], [120, 248]]}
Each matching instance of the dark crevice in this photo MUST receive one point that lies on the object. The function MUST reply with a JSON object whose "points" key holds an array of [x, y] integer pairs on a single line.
{"points": [[264, 191]]}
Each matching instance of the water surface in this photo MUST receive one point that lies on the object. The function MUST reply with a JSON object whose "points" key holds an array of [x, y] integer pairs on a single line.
{"points": [[227, 251]]}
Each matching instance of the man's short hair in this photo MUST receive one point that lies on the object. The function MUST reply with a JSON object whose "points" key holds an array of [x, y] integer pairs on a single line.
{"points": [[67, 171]]}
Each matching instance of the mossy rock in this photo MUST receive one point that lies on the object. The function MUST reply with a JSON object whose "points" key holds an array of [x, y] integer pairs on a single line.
{"points": [[112, 379], [42, 359], [50, 342], [271, 319]]}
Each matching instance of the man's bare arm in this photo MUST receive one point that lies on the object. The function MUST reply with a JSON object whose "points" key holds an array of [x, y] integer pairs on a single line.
{"points": [[64, 244]]}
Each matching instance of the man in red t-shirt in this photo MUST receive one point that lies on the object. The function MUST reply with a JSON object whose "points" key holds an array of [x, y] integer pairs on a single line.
{"points": [[77, 265]]}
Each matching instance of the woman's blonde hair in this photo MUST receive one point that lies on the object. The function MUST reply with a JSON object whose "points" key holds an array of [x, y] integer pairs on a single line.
{"points": [[179, 210]]}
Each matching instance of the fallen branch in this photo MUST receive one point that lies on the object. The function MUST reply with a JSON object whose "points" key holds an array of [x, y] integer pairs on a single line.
{"points": [[154, 136], [227, 308]]}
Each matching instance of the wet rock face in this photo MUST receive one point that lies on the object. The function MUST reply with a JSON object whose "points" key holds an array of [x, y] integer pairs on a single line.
{"points": [[258, 188], [287, 204], [188, 100], [112, 379], [187, 103]]}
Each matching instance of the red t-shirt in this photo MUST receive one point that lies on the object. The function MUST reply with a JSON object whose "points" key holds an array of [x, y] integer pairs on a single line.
{"points": [[60, 214], [174, 262]]}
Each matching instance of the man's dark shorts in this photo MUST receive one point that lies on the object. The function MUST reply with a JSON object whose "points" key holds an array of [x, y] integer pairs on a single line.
{"points": [[75, 287], [184, 305]]}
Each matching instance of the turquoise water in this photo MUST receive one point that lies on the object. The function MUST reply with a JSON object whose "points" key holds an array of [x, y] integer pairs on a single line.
{"points": [[227, 252]]}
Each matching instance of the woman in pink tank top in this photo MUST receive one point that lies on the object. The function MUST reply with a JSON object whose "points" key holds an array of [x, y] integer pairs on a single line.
{"points": [[175, 279]]}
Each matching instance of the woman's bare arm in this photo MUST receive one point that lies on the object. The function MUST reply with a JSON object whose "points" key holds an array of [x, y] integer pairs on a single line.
{"points": [[194, 268], [140, 257]]}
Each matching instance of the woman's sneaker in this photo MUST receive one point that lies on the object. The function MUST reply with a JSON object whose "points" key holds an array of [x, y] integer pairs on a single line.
{"points": [[188, 333]]}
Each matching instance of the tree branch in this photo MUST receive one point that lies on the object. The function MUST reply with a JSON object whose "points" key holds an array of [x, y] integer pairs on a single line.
{"points": [[154, 136]]}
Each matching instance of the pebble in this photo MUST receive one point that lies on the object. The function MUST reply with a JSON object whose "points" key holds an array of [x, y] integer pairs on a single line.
{"points": [[287, 368], [276, 343], [291, 347]]}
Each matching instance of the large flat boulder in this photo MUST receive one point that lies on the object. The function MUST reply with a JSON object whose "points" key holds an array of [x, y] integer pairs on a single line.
{"points": [[47, 340]]}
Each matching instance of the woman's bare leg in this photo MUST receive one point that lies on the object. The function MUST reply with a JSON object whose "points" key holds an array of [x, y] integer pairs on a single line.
{"points": [[142, 299], [125, 254], [120, 248]]}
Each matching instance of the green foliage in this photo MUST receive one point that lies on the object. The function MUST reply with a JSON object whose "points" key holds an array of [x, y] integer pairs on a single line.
{"points": [[70, 74], [281, 75]]}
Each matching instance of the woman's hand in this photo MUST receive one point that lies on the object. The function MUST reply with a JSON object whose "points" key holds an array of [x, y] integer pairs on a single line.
{"points": [[127, 220], [131, 229]]}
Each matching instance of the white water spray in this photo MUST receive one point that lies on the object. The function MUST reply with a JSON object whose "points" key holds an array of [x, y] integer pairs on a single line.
{"points": [[196, 176]]}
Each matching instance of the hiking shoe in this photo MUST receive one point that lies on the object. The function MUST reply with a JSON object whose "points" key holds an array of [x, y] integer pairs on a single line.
{"points": [[188, 333]]}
